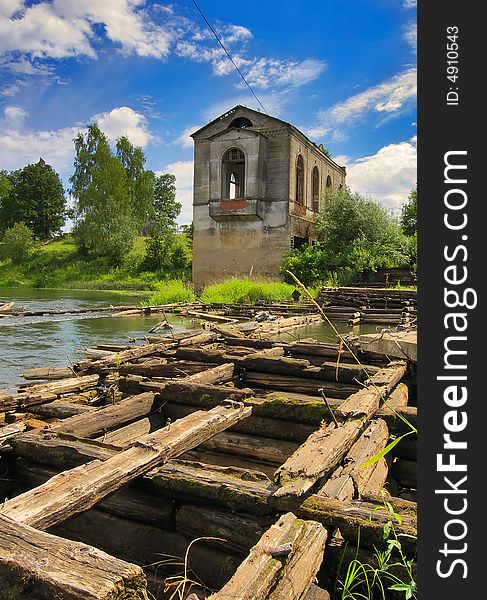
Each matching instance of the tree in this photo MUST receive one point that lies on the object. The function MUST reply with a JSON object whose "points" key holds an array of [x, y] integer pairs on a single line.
{"points": [[18, 242], [36, 198], [105, 223], [166, 207], [140, 183], [409, 216], [359, 233]]}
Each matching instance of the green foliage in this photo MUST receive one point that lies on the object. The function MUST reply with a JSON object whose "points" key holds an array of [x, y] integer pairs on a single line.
{"points": [[392, 569], [18, 242], [359, 233], [33, 195], [170, 292], [140, 183], [409, 217], [245, 290], [170, 254], [105, 221], [166, 207]]}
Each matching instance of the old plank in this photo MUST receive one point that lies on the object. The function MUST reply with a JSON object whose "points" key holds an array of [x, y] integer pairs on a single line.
{"points": [[262, 576], [80, 488], [74, 571]]}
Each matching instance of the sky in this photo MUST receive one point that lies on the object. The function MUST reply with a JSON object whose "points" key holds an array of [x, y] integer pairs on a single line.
{"points": [[342, 71]]}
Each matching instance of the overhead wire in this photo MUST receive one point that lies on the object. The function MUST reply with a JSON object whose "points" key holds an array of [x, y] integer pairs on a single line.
{"points": [[229, 56]]}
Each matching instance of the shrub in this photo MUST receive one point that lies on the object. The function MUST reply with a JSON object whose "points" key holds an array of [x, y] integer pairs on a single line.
{"points": [[18, 242], [170, 292]]}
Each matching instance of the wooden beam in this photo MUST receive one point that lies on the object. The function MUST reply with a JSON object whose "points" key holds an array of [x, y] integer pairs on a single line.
{"points": [[52, 567], [80, 488], [281, 566]]}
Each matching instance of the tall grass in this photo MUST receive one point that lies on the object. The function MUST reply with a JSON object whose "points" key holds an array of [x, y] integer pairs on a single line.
{"points": [[234, 290], [172, 291]]}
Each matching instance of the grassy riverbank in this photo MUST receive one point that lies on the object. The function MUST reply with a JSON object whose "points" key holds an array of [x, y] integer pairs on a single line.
{"points": [[59, 265]]}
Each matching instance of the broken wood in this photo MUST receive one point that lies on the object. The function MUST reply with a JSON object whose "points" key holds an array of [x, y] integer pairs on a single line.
{"points": [[80, 488], [265, 574], [59, 568]]}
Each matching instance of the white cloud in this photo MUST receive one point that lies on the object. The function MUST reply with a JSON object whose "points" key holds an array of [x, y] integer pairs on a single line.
{"points": [[185, 140], [270, 72], [183, 170], [124, 121], [409, 4], [15, 116], [387, 176], [66, 28], [390, 96], [411, 36], [19, 146]]}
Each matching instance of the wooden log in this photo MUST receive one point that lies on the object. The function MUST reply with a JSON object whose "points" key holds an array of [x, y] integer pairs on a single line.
{"points": [[265, 575], [126, 435], [214, 375], [396, 422], [46, 392], [298, 384], [239, 531], [59, 409], [349, 481], [129, 502], [80, 488], [150, 546], [94, 575], [229, 487], [369, 517], [49, 373], [202, 338], [115, 360], [105, 418], [256, 426], [315, 459], [161, 368], [9, 431]]}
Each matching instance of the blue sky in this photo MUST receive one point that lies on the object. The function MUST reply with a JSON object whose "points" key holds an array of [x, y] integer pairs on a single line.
{"points": [[342, 71]]}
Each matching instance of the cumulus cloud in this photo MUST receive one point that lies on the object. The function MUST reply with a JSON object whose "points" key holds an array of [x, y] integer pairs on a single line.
{"points": [[185, 140], [124, 121], [411, 36], [183, 171], [390, 96], [18, 146], [66, 28], [387, 176]]}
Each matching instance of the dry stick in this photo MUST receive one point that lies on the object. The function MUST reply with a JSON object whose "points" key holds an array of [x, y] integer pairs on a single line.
{"points": [[322, 392], [347, 346]]}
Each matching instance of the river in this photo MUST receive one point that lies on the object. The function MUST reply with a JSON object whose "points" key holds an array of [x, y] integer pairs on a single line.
{"points": [[57, 340]]}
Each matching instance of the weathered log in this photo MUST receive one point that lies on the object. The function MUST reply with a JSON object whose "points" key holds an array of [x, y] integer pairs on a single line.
{"points": [[80, 488], [202, 338], [59, 409], [254, 425], [9, 431], [105, 418], [48, 373], [229, 487], [396, 422], [265, 574], [130, 502], [159, 367], [46, 392], [240, 531], [315, 459], [298, 384], [73, 571], [151, 546], [218, 374], [349, 481], [115, 360], [369, 517], [126, 435]]}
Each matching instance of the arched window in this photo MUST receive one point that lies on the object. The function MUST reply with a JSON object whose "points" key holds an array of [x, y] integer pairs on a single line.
{"points": [[328, 181], [316, 189], [233, 174], [241, 123], [300, 180]]}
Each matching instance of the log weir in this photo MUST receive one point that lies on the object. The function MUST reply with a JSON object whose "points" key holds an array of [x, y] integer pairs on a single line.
{"points": [[239, 455]]}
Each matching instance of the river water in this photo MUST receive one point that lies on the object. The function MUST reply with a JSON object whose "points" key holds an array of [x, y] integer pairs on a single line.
{"points": [[57, 340]]}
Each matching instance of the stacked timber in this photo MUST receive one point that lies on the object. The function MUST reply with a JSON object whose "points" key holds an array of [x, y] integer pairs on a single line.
{"points": [[224, 434]]}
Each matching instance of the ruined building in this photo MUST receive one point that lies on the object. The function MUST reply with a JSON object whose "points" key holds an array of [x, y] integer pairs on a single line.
{"points": [[258, 183]]}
